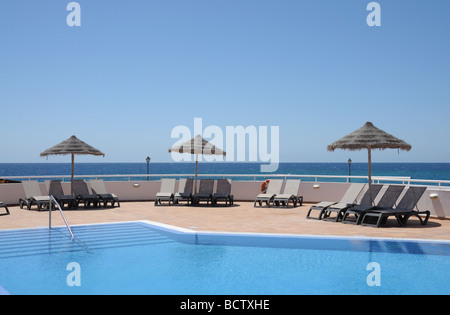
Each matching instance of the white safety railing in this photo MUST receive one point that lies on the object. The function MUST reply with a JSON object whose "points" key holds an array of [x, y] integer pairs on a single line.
{"points": [[252, 177], [53, 200]]}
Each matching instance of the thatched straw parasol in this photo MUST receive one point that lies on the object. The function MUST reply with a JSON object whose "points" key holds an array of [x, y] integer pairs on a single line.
{"points": [[369, 137], [72, 146], [197, 146]]}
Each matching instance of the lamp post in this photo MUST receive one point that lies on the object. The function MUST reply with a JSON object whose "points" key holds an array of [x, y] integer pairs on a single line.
{"points": [[148, 159], [349, 170]]}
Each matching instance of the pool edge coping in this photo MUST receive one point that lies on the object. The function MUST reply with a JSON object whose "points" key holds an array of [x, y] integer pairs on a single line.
{"points": [[177, 229], [280, 235]]}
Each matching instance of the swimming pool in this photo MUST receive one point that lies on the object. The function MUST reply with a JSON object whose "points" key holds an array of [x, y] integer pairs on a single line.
{"points": [[149, 258]]}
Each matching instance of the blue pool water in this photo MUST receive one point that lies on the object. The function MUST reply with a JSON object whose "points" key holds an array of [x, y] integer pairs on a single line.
{"points": [[137, 258]]}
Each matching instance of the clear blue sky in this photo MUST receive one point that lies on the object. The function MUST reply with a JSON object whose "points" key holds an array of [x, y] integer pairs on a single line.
{"points": [[136, 69]]}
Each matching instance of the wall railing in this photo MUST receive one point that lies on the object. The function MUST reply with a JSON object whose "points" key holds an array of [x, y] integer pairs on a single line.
{"points": [[244, 177]]}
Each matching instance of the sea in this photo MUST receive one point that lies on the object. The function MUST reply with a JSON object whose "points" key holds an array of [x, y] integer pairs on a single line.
{"points": [[428, 171]]}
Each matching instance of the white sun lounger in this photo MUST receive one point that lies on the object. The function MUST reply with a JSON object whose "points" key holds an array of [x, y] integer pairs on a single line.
{"points": [[273, 190], [167, 191], [290, 193], [33, 195]]}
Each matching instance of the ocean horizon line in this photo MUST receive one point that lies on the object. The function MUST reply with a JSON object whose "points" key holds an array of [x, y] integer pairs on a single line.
{"points": [[221, 162]]}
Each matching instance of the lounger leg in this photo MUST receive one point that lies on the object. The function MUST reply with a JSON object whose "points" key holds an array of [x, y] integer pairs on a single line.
{"points": [[7, 210], [340, 215], [428, 214], [308, 216], [286, 202], [345, 216], [378, 218], [417, 214], [379, 221], [401, 220], [360, 216]]}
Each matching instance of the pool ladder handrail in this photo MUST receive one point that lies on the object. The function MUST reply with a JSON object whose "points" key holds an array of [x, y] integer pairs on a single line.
{"points": [[53, 200]]}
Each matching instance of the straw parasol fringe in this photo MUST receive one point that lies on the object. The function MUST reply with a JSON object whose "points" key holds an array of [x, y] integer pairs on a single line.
{"points": [[197, 146], [72, 146], [369, 137]]}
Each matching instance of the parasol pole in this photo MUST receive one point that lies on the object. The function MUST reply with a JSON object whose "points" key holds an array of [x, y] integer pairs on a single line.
{"points": [[370, 173], [73, 171], [196, 172]]}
